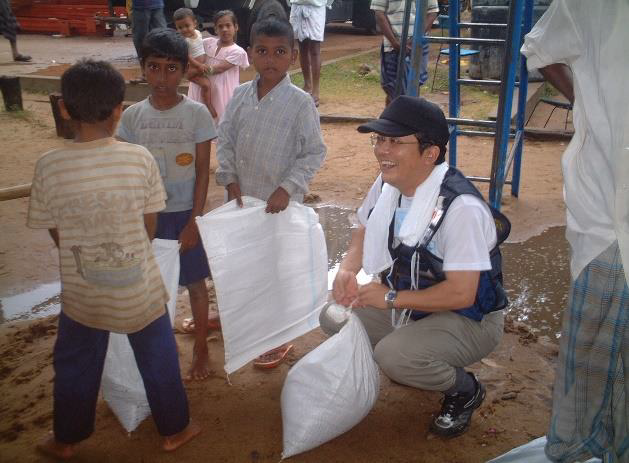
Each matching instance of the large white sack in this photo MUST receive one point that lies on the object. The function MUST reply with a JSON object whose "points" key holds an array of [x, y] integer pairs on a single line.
{"points": [[122, 385], [269, 273], [330, 390], [531, 452]]}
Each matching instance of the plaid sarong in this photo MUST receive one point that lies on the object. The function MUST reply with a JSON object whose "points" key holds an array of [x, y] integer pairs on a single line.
{"points": [[590, 406]]}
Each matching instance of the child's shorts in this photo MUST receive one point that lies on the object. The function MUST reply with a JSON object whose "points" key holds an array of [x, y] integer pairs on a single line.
{"points": [[194, 266]]}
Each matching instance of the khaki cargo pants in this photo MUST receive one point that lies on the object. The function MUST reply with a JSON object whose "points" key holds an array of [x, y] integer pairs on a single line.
{"points": [[424, 353]]}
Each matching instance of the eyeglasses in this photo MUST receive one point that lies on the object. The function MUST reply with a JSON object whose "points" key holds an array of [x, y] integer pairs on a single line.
{"points": [[377, 140]]}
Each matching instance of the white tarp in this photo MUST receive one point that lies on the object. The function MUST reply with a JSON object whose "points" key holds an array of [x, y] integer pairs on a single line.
{"points": [[330, 390], [122, 385], [531, 452], [269, 272]]}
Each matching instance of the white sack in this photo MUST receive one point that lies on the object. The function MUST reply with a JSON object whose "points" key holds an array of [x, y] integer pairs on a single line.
{"points": [[269, 273], [122, 385], [531, 452], [330, 390]]}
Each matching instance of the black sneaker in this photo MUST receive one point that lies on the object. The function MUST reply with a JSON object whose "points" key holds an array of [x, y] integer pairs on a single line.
{"points": [[456, 412]]}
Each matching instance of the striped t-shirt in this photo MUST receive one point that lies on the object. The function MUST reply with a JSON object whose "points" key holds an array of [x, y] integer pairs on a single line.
{"points": [[96, 194], [394, 11]]}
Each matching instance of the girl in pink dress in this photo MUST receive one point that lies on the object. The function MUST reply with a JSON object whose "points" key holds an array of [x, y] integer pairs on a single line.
{"points": [[225, 59]]}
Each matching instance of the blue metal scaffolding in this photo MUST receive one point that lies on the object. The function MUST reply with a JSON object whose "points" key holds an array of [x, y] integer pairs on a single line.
{"points": [[520, 22]]}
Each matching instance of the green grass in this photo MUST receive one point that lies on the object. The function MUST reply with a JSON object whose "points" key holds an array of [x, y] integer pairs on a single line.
{"points": [[343, 81]]}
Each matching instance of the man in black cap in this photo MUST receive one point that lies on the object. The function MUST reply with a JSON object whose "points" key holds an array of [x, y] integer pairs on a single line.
{"points": [[427, 233]]}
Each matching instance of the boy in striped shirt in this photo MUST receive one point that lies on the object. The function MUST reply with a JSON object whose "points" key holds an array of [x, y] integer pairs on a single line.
{"points": [[99, 198]]}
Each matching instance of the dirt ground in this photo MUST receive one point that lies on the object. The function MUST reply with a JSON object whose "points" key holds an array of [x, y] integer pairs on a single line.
{"points": [[242, 421]]}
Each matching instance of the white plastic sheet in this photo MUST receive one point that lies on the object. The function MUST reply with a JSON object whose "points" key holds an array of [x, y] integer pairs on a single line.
{"points": [[269, 272], [330, 390], [122, 385], [531, 452]]}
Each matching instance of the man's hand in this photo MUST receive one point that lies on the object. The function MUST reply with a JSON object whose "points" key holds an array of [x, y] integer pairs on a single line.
{"points": [[189, 236], [372, 295], [345, 288], [278, 201], [233, 191]]}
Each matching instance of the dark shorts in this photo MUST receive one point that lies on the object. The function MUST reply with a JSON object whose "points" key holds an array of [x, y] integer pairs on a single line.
{"points": [[194, 266]]}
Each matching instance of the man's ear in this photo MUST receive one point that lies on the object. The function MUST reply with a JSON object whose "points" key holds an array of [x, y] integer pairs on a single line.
{"points": [[431, 154], [250, 53], [63, 110], [116, 113]]}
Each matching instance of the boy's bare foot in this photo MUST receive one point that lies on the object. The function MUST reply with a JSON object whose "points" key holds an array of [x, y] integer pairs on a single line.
{"points": [[200, 368], [175, 441], [51, 447]]}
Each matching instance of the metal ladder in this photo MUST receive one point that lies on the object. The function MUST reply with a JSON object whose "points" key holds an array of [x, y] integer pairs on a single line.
{"points": [[520, 22]]}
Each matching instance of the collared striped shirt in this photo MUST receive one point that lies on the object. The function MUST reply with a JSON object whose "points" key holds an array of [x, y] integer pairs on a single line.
{"points": [[394, 11], [270, 143], [96, 194]]}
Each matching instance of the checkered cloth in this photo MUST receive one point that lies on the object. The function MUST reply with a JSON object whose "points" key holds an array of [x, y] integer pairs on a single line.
{"points": [[590, 398]]}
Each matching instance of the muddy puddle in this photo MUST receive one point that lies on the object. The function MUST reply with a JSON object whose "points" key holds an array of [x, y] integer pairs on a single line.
{"points": [[536, 272]]}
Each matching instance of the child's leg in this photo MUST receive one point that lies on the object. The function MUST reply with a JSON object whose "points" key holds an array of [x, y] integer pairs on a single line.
{"points": [[155, 351], [206, 92], [304, 61], [194, 269], [314, 50], [78, 359], [200, 305]]}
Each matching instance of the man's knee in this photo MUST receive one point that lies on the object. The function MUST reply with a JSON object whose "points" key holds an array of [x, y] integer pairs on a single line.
{"points": [[415, 367]]}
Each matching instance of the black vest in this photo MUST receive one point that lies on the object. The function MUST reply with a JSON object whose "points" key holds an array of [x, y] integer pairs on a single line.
{"points": [[490, 295]]}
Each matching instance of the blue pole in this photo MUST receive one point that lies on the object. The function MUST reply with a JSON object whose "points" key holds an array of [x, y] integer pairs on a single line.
{"points": [[453, 75], [412, 83], [503, 120], [524, 81]]}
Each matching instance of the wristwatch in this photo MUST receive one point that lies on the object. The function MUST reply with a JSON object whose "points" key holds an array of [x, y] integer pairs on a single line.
{"points": [[390, 297]]}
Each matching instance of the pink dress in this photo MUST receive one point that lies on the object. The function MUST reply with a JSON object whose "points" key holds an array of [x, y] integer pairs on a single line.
{"points": [[223, 84]]}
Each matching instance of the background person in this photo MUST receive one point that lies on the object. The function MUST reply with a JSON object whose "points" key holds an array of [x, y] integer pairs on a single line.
{"points": [[146, 16], [308, 20], [8, 28], [390, 19], [581, 48], [198, 71], [426, 230]]}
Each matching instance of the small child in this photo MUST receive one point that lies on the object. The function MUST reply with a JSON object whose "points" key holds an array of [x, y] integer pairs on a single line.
{"points": [[178, 133], [98, 198], [270, 144], [225, 60], [198, 70]]}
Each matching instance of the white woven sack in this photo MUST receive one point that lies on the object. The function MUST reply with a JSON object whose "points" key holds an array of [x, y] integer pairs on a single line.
{"points": [[330, 390], [531, 452], [269, 273], [122, 385]]}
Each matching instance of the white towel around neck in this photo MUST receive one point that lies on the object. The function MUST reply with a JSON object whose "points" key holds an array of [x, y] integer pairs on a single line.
{"points": [[376, 256]]}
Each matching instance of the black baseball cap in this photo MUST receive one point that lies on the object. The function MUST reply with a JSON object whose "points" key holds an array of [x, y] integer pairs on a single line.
{"points": [[407, 115]]}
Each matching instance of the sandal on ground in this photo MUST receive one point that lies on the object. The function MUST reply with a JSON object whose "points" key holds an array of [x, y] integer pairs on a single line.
{"points": [[273, 357], [316, 101], [137, 80], [187, 325], [22, 58]]}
